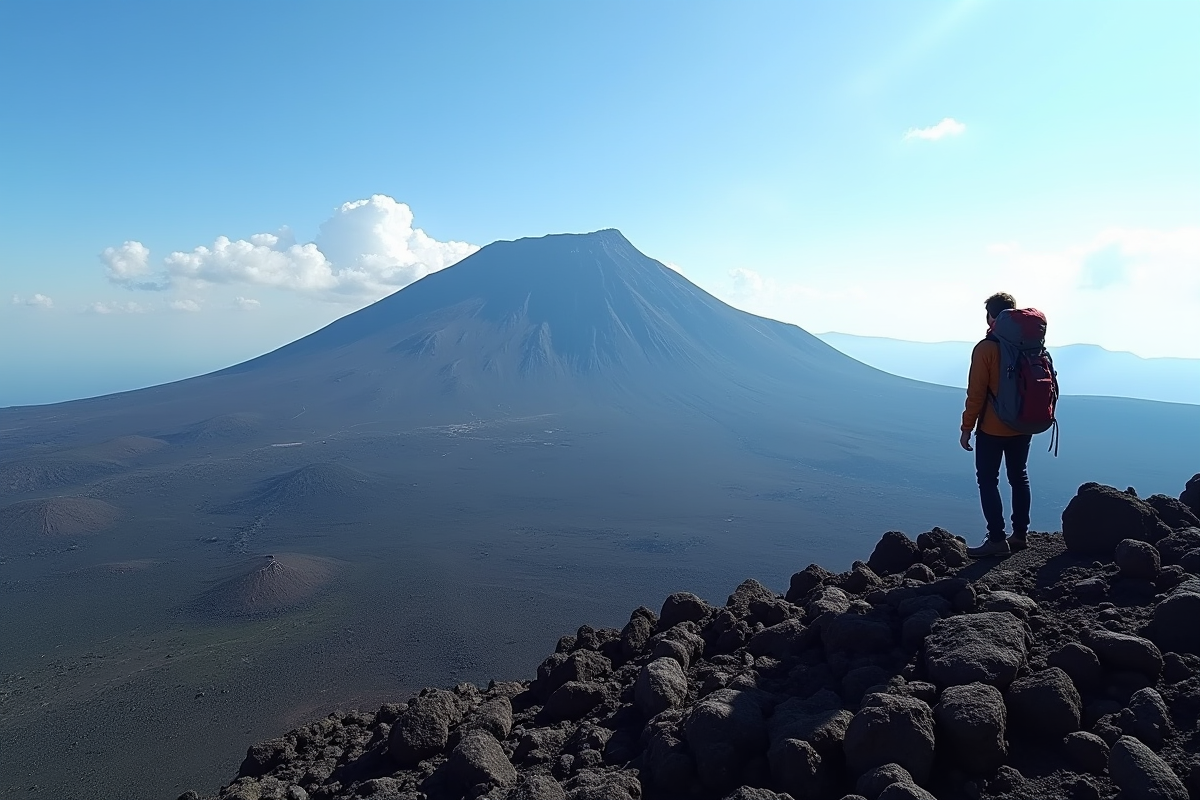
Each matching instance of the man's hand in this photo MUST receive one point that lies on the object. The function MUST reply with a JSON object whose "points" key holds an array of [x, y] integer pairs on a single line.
{"points": [[965, 441]]}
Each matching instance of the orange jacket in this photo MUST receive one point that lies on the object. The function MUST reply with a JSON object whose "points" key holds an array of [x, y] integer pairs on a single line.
{"points": [[984, 379]]}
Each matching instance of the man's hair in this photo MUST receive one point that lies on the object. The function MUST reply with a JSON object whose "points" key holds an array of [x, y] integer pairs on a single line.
{"points": [[998, 302]]}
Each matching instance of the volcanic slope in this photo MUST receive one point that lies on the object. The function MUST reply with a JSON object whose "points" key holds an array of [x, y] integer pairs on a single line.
{"points": [[57, 516], [268, 585]]}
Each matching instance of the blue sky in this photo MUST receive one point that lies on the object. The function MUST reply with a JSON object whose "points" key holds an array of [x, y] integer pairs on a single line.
{"points": [[785, 156]]}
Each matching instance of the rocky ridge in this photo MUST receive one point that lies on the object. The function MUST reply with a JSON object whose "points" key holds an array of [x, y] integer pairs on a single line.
{"points": [[1070, 670]]}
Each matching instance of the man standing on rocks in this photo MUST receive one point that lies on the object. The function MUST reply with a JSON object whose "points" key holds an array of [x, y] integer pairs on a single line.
{"points": [[995, 442]]}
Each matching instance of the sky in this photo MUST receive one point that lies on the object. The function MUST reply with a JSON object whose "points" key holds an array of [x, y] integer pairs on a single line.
{"points": [[187, 185]]}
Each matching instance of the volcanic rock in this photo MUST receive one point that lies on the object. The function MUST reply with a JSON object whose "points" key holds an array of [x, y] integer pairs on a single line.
{"points": [[1190, 496], [1121, 651], [1138, 560], [682, 607], [725, 730], [894, 553], [971, 723], [1099, 517], [987, 647], [1086, 751], [661, 684], [1141, 775], [891, 729], [1175, 513], [1044, 704], [1175, 619]]}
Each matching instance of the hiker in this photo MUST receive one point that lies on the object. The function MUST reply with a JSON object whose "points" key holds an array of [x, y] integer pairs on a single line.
{"points": [[1011, 393]]}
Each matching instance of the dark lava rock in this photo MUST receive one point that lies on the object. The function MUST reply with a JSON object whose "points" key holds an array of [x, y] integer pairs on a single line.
{"points": [[1099, 517], [573, 700], [805, 581], [479, 759], [682, 607], [917, 627], [751, 793], [1119, 651], [858, 633], [828, 600], [1138, 560], [894, 553], [872, 782], [905, 791], [423, 729], [891, 729], [919, 572], [582, 666], [1141, 775], [262, 757], [1147, 718], [1016, 604], [988, 647], [724, 731], [971, 722], [537, 787], [635, 635], [661, 684], [798, 769], [493, 716], [781, 641], [1044, 704], [1177, 619], [1175, 513], [755, 602], [1086, 752], [1080, 662], [1190, 496]]}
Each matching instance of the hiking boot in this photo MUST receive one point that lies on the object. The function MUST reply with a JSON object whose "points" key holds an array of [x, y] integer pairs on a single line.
{"points": [[990, 548], [1017, 542]]}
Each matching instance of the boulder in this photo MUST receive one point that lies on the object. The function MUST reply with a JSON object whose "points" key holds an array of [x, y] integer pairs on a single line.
{"points": [[919, 572], [905, 791], [1147, 718], [1175, 625], [828, 599], [861, 579], [917, 627], [1080, 662], [1045, 704], [1175, 513], [1098, 517], [661, 684], [1142, 775], [635, 635], [492, 716], [988, 647], [1190, 496], [894, 553], [858, 634], [891, 729], [682, 607], [755, 602], [751, 793], [798, 769], [872, 782], [1016, 604], [537, 787], [1119, 651], [581, 666], [971, 722], [573, 700], [479, 759], [1087, 752], [724, 731], [1137, 560], [805, 581], [423, 729], [782, 641]]}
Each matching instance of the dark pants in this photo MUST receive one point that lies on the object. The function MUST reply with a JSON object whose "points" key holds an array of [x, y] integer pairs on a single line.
{"points": [[1014, 450]]}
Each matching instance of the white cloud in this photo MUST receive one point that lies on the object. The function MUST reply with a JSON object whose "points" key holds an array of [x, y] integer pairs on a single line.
{"points": [[116, 308], [184, 305], [367, 249], [36, 301], [947, 127], [246, 303], [127, 264]]}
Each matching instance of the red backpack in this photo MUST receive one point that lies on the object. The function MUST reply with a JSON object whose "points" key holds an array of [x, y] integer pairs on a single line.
{"points": [[1028, 391]]}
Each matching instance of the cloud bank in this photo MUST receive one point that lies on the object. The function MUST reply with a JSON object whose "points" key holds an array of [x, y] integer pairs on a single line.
{"points": [[947, 127], [36, 301], [366, 250]]}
